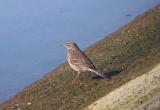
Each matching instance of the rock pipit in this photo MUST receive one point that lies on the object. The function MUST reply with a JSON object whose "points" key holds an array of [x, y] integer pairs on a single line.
{"points": [[78, 60]]}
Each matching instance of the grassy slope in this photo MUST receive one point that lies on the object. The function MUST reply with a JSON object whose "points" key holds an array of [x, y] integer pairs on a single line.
{"points": [[133, 50]]}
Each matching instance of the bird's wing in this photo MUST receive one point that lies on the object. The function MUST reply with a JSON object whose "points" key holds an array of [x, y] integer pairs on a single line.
{"points": [[83, 63], [83, 60], [80, 59]]}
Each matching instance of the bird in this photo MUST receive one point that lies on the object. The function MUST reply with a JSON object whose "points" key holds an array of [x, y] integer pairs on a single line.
{"points": [[78, 60]]}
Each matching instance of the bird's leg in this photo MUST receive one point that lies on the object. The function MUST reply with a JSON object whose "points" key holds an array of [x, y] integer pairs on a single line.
{"points": [[76, 77]]}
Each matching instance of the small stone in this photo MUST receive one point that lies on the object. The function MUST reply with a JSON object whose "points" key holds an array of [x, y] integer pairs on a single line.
{"points": [[18, 108], [29, 103]]}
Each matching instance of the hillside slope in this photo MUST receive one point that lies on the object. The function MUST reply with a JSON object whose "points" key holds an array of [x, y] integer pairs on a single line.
{"points": [[141, 93], [122, 56]]}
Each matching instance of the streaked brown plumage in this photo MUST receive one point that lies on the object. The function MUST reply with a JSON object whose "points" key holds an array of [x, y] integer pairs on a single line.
{"points": [[78, 60]]}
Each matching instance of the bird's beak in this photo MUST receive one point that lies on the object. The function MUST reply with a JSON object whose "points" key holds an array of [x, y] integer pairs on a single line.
{"points": [[65, 45]]}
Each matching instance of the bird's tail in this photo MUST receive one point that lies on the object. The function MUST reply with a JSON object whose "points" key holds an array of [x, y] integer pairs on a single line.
{"points": [[94, 71]]}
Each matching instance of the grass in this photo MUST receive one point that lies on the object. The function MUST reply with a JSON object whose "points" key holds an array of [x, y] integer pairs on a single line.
{"points": [[123, 55]]}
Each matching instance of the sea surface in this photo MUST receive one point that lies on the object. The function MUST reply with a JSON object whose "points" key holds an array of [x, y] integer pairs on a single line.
{"points": [[32, 33]]}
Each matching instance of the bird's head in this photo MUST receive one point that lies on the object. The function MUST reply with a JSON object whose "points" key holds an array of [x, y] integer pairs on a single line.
{"points": [[70, 45]]}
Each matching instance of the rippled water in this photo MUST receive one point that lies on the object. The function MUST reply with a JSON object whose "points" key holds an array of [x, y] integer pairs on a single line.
{"points": [[32, 33]]}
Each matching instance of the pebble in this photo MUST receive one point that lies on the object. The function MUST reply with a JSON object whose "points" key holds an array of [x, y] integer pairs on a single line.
{"points": [[29, 103], [18, 108]]}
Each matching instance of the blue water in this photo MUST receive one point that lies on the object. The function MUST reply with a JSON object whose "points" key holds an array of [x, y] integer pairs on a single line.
{"points": [[32, 33]]}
